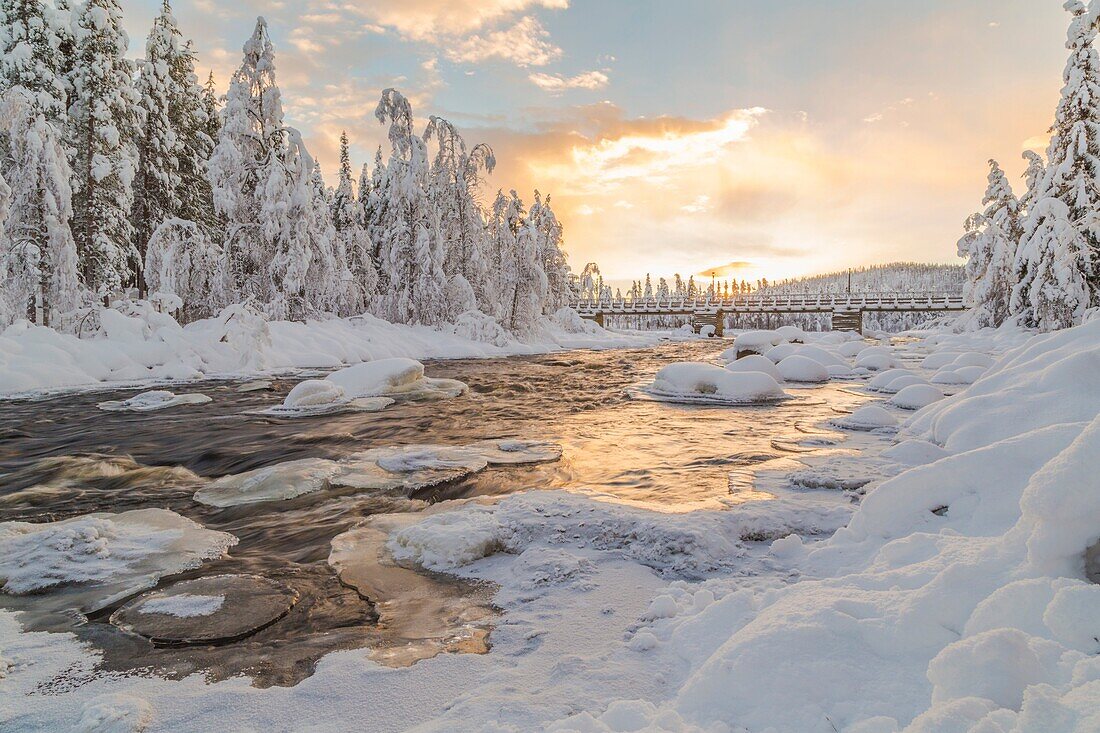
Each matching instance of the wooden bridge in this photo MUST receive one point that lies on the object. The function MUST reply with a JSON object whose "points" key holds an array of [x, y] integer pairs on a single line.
{"points": [[846, 309]]}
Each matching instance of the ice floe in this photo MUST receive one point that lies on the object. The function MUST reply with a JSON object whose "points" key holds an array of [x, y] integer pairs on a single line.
{"points": [[155, 400], [402, 469], [107, 555]]}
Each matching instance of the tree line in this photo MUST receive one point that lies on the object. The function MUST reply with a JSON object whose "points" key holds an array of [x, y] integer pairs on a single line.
{"points": [[1035, 259], [119, 176]]}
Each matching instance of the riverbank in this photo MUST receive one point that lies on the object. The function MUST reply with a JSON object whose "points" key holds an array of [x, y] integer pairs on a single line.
{"points": [[144, 347]]}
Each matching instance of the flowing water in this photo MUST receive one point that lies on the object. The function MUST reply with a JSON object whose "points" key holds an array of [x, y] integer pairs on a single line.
{"points": [[63, 457]]}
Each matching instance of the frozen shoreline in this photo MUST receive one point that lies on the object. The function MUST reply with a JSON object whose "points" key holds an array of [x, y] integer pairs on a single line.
{"points": [[148, 349]]}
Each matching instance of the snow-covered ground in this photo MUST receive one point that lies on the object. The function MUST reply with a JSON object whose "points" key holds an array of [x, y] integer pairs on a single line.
{"points": [[955, 597], [146, 347]]}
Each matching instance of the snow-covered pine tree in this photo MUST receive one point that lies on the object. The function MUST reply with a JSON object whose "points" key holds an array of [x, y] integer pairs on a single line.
{"points": [[159, 145], [261, 177], [529, 286], [190, 113], [1071, 175], [212, 107], [30, 57], [990, 248], [1033, 178], [38, 262], [411, 256], [1054, 252], [360, 276], [104, 116], [327, 273], [551, 256], [454, 182]]}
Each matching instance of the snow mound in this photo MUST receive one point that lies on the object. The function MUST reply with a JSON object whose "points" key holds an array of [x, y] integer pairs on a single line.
{"points": [[900, 383], [916, 397], [118, 552], [876, 362], [868, 417], [883, 378], [956, 598], [689, 545], [803, 369], [154, 400], [697, 383], [915, 452], [755, 363], [755, 342]]}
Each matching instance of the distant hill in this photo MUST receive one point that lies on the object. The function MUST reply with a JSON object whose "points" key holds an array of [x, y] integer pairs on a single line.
{"points": [[891, 278]]}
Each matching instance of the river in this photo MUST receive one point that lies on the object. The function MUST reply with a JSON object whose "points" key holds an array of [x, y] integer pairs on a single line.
{"points": [[62, 457]]}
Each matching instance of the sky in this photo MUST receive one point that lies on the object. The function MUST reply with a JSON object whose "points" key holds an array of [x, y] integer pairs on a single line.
{"points": [[750, 138]]}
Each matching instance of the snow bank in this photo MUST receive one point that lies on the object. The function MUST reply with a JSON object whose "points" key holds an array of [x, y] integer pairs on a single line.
{"points": [[955, 600], [691, 382], [146, 346]]}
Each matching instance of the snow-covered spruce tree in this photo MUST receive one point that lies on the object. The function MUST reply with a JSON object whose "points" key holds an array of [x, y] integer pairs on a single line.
{"points": [[1033, 178], [359, 276], [212, 107], [30, 57], [256, 177], [38, 262], [1054, 253], [550, 255], [411, 253], [104, 116], [454, 182], [1071, 176], [529, 286], [990, 248], [327, 272], [190, 113], [159, 145], [505, 221]]}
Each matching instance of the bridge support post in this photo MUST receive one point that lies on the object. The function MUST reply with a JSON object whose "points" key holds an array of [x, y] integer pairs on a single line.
{"points": [[598, 318], [720, 324], [845, 320]]}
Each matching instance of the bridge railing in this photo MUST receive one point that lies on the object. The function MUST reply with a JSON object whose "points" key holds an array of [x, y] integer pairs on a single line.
{"points": [[771, 302]]}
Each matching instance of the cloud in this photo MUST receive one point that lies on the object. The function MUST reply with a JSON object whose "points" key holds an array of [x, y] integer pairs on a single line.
{"points": [[428, 20], [556, 83], [526, 43], [727, 270], [700, 205]]}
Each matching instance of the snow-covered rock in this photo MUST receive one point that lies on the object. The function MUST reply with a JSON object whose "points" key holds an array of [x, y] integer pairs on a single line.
{"points": [[868, 417], [803, 369], [755, 363], [693, 382], [916, 396], [154, 400]]}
